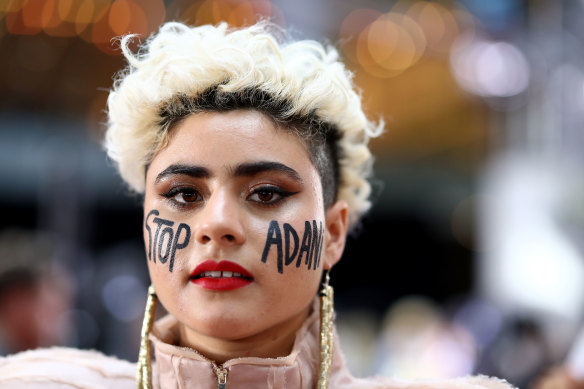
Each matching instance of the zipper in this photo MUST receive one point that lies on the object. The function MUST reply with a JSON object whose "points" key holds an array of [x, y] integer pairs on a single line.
{"points": [[221, 373]]}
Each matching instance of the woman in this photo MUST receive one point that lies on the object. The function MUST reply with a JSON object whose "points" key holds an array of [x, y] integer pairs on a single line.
{"points": [[252, 157]]}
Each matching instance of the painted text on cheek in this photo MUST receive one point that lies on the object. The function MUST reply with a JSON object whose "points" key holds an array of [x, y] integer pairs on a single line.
{"points": [[290, 248], [165, 241]]}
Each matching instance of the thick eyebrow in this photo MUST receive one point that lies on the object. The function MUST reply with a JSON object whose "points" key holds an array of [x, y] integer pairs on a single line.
{"points": [[187, 170], [249, 169]]}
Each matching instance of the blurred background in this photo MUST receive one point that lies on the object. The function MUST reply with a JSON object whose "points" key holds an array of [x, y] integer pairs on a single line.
{"points": [[472, 258]]}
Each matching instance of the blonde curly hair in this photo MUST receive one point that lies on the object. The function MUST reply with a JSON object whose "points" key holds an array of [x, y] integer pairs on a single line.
{"points": [[301, 85]]}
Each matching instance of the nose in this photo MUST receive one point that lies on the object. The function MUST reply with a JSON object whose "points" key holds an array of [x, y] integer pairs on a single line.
{"points": [[219, 221]]}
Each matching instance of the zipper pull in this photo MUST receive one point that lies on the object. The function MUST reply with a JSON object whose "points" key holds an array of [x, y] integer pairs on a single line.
{"points": [[221, 377]]}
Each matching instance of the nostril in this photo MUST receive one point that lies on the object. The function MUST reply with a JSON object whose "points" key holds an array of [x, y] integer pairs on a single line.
{"points": [[227, 237]]}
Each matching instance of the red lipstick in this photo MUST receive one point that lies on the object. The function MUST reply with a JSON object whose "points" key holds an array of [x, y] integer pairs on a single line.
{"points": [[221, 276]]}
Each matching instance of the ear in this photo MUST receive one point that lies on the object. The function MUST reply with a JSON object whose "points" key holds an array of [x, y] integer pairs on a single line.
{"points": [[336, 233]]}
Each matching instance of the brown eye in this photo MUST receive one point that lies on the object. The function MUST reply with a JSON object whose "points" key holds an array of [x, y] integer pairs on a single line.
{"points": [[265, 196], [187, 197], [183, 196], [269, 195]]}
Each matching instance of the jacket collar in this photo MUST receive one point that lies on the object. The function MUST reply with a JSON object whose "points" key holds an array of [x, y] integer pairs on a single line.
{"points": [[178, 367], [182, 367]]}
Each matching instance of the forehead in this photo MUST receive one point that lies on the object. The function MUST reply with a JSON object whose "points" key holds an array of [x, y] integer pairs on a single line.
{"points": [[223, 138]]}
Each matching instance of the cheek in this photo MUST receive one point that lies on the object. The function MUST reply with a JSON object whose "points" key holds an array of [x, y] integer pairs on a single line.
{"points": [[164, 239], [295, 246]]}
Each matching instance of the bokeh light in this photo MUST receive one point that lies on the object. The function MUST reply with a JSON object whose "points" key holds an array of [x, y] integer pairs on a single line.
{"points": [[352, 26], [127, 17], [65, 9], [16, 22], [395, 41], [131, 289], [101, 32], [438, 24], [387, 44], [235, 12], [97, 22], [120, 15], [482, 319], [11, 5], [419, 342], [489, 68], [32, 13], [83, 16], [530, 261], [100, 22]]}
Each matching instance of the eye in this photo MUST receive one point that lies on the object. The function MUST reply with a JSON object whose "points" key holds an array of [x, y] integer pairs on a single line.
{"points": [[183, 196], [269, 195]]}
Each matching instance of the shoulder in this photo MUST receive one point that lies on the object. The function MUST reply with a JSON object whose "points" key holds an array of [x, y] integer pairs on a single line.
{"points": [[470, 382], [65, 368]]}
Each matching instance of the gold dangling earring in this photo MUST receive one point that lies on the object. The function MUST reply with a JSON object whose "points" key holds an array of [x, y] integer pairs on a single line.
{"points": [[326, 332], [144, 368]]}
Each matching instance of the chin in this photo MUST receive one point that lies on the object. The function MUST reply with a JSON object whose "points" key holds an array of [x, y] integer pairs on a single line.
{"points": [[229, 327]]}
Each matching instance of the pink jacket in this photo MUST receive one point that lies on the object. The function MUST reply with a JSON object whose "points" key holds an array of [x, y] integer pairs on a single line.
{"points": [[180, 367]]}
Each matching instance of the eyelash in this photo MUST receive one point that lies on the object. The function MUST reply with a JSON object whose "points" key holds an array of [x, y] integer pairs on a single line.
{"points": [[181, 190], [274, 190], [282, 193]]}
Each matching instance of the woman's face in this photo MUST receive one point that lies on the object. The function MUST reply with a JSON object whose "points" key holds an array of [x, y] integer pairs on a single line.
{"points": [[234, 225]]}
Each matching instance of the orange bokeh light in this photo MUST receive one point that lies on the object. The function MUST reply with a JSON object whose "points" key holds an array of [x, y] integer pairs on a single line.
{"points": [[125, 17], [119, 16], [25, 19], [66, 10], [102, 33], [12, 5], [242, 15], [108, 19], [91, 15], [438, 23], [351, 29], [387, 44], [221, 9], [155, 13], [213, 11], [383, 39], [188, 14], [32, 14], [390, 44], [52, 21], [84, 15], [262, 8], [366, 60], [249, 12], [49, 16]]}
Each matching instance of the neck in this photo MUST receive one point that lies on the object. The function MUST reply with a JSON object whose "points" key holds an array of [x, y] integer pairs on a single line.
{"points": [[276, 341]]}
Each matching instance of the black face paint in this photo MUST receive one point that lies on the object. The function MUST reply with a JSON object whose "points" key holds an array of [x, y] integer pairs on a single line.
{"points": [[159, 222], [310, 247], [176, 245], [274, 237], [169, 233], [289, 231], [165, 241], [305, 246], [316, 244], [153, 212]]}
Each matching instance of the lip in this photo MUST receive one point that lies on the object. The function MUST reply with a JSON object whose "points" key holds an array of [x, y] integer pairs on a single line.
{"points": [[220, 284]]}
